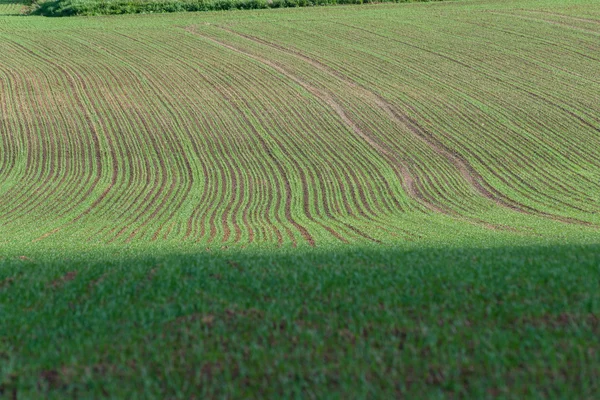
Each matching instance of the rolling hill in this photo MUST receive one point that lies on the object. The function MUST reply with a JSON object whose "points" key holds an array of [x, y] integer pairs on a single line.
{"points": [[373, 200]]}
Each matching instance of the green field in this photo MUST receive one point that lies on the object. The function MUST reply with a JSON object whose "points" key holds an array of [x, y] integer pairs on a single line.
{"points": [[390, 201]]}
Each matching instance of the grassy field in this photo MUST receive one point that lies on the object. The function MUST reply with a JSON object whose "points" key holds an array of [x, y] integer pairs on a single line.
{"points": [[354, 201]]}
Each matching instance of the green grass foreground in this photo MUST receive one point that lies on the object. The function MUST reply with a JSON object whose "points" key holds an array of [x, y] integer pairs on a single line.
{"points": [[362, 322]]}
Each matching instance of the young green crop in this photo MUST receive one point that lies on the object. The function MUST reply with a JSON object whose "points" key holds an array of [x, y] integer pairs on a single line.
{"points": [[370, 201], [205, 130]]}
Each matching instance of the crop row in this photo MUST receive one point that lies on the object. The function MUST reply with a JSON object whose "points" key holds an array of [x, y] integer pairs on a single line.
{"points": [[482, 110]]}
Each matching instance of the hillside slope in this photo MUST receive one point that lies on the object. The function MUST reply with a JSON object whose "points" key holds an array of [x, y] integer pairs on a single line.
{"points": [[348, 202], [290, 127]]}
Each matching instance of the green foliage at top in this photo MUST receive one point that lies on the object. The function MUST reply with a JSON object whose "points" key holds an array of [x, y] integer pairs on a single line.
{"points": [[62, 8]]}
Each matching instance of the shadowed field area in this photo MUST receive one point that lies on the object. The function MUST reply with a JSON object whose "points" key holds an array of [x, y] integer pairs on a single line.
{"points": [[360, 323]]}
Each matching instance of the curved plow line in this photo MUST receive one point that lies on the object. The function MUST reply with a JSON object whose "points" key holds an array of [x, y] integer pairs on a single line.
{"points": [[126, 157], [239, 183], [256, 117], [222, 169], [31, 53], [280, 101], [311, 61], [181, 202], [171, 147], [117, 121], [8, 152], [294, 112], [9, 144], [544, 177], [303, 179], [319, 94], [388, 153], [578, 19], [234, 192], [259, 174], [368, 207], [387, 165], [427, 178], [119, 193], [318, 173], [233, 218], [251, 175], [516, 181], [191, 229], [111, 122], [288, 190], [155, 204], [310, 174], [222, 88], [175, 147], [462, 166], [494, 75], [347, 173], [288, 155], [122, 148], [88, 85], [551, 22], [10, 195], [211, 179], [240, 192], [134, 205], [281, 171], [363, 199], [582, 34], [226, 175], [236, 201], [167, 233], [400, 42], [474, 124], [552, 126], [423, 186], [76, 82], [501, 197], [501, 144], [35, 166], [73, 185], [306, 188]]}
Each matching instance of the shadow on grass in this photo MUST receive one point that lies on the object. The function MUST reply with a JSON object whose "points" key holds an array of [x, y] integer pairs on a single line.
{"points": [[355, 322]]}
